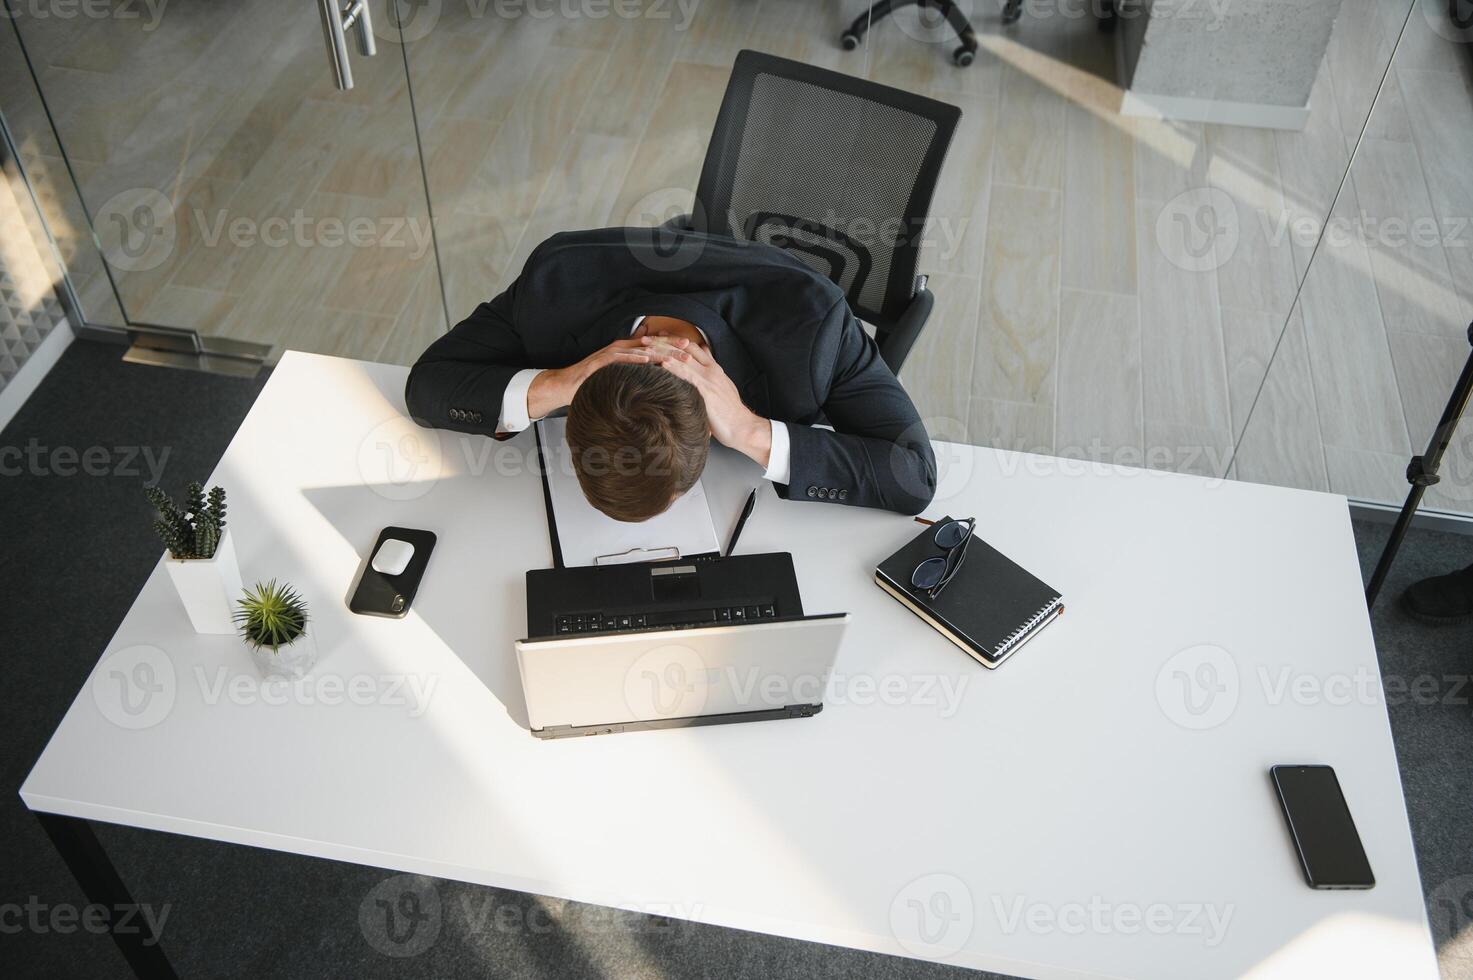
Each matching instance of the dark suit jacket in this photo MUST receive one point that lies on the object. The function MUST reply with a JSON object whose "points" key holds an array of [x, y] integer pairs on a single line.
{"points": [[782, 332]]}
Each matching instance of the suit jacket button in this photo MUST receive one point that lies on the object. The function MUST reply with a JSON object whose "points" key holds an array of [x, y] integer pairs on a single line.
{"points": [[843, 494], [813, 491], [455, 415], [476, 417], [833, 494]]}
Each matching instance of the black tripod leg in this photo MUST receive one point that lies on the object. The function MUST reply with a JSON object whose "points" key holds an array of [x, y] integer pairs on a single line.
{"points": [[1393, 544], [88, 862], [1422, 472]]}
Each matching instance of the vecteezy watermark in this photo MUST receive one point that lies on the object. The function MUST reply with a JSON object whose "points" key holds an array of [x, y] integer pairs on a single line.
{"points": [[1198, 229], [955, 460], [1098, 916], [1200, 687], [135, 229], [933, 916], [1197, 688], [149, 12], [1288, 684], [401, 461], [413, 20], [1102, 459], [63, 919], [135, 687], [299, 229], [1450, 913], [1392, 231], [138, 230], [401, 916], [657, 225], [674, 681], [485, 911], [941, 691], [35, 459], [669, 681], [412, 692]]}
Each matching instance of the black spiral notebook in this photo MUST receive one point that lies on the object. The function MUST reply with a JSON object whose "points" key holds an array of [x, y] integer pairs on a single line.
{"points": [[991, 608]]}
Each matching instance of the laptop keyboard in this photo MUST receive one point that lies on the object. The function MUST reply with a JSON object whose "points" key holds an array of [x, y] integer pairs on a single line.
{"points": [[597, 622]]}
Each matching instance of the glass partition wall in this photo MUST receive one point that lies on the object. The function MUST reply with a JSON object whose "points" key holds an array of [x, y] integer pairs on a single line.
{"points": [[1366, 360], [1109, 286]]}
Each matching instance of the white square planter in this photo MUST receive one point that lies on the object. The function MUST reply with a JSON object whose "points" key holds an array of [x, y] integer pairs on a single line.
{"points": [[208, 587]]}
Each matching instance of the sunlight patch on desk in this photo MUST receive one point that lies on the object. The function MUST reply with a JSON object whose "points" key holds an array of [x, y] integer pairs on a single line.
{"points": [[1380, 946]]}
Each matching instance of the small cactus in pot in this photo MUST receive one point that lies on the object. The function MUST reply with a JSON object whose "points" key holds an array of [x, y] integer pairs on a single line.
{"points": [[201, 557], [194, 530]]}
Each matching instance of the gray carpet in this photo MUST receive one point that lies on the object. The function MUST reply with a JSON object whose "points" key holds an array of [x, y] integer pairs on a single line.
{"points": [[79, 547]]}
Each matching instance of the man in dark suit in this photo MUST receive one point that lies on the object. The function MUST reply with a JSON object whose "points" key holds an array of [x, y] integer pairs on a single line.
{"points": [[656, 343]]}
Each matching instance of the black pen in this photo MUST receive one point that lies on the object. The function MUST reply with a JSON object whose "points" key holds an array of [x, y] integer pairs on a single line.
{"points": [[742, 521]]}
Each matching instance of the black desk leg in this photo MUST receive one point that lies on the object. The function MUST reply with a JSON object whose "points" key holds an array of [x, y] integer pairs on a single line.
{"points": [[80, 849]]}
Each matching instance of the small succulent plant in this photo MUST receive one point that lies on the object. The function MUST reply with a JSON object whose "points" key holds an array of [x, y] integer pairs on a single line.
{"points": [[271, 616], [191, 531]]}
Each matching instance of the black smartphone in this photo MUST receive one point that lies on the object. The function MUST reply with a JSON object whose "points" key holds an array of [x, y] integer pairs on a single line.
{"points": [[381, 594], [1324, 833]]}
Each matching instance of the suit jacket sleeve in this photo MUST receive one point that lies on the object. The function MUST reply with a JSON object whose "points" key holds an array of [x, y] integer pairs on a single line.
{"points": [[878, 454], [459, 380]]}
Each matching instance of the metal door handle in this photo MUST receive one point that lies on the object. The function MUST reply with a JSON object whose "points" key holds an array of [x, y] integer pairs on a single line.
{"points": [[337, 20]]}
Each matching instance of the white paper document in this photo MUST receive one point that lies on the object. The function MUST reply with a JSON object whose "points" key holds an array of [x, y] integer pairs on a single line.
{"points": [[589, 537]]}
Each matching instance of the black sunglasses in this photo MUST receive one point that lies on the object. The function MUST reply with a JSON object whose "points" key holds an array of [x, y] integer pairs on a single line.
{"points": [[935, 574]]}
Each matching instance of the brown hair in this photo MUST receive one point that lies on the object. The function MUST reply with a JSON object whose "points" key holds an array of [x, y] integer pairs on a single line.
{"points": [[639, 439]]}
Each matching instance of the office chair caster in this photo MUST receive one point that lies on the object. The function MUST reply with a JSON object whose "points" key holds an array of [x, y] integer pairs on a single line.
{"points": [[947, 9], [1012, 11]]}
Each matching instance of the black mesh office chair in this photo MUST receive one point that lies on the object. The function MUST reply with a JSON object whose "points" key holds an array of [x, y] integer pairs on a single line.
{"points": [[837, 170]]}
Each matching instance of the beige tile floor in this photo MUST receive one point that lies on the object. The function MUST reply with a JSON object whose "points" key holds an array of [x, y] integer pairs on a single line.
{"points": [[1077, 314]]}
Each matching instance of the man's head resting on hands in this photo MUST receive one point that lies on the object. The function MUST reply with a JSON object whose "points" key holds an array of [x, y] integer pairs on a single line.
{"points": [[639, 438]]}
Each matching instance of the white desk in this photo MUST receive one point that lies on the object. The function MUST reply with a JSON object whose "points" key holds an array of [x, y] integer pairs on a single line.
{"points": [[1070, 817]]}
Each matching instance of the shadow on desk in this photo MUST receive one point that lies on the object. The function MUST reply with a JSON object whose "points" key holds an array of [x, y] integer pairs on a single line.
{"points": [[477, 618]]}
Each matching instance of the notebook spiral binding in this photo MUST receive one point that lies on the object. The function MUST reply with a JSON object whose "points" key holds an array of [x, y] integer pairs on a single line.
{"points": [[1027, 627]]}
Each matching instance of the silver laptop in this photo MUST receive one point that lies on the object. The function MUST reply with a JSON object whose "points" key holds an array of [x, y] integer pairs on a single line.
{"points": [[604, 683]]}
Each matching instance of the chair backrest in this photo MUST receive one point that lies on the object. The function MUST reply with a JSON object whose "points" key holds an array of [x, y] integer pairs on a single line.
{"points": [[837, 170]]}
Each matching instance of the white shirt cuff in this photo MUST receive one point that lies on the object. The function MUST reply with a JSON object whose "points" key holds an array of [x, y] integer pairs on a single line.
{"points": [[780, 460], [514, 401]]}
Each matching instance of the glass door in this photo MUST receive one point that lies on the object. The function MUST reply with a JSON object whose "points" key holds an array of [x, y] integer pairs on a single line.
{"points": [[267, 172], [232, 185]]}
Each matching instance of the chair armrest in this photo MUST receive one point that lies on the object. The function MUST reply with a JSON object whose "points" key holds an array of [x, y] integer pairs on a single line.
{"points": [[895, 343]]}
